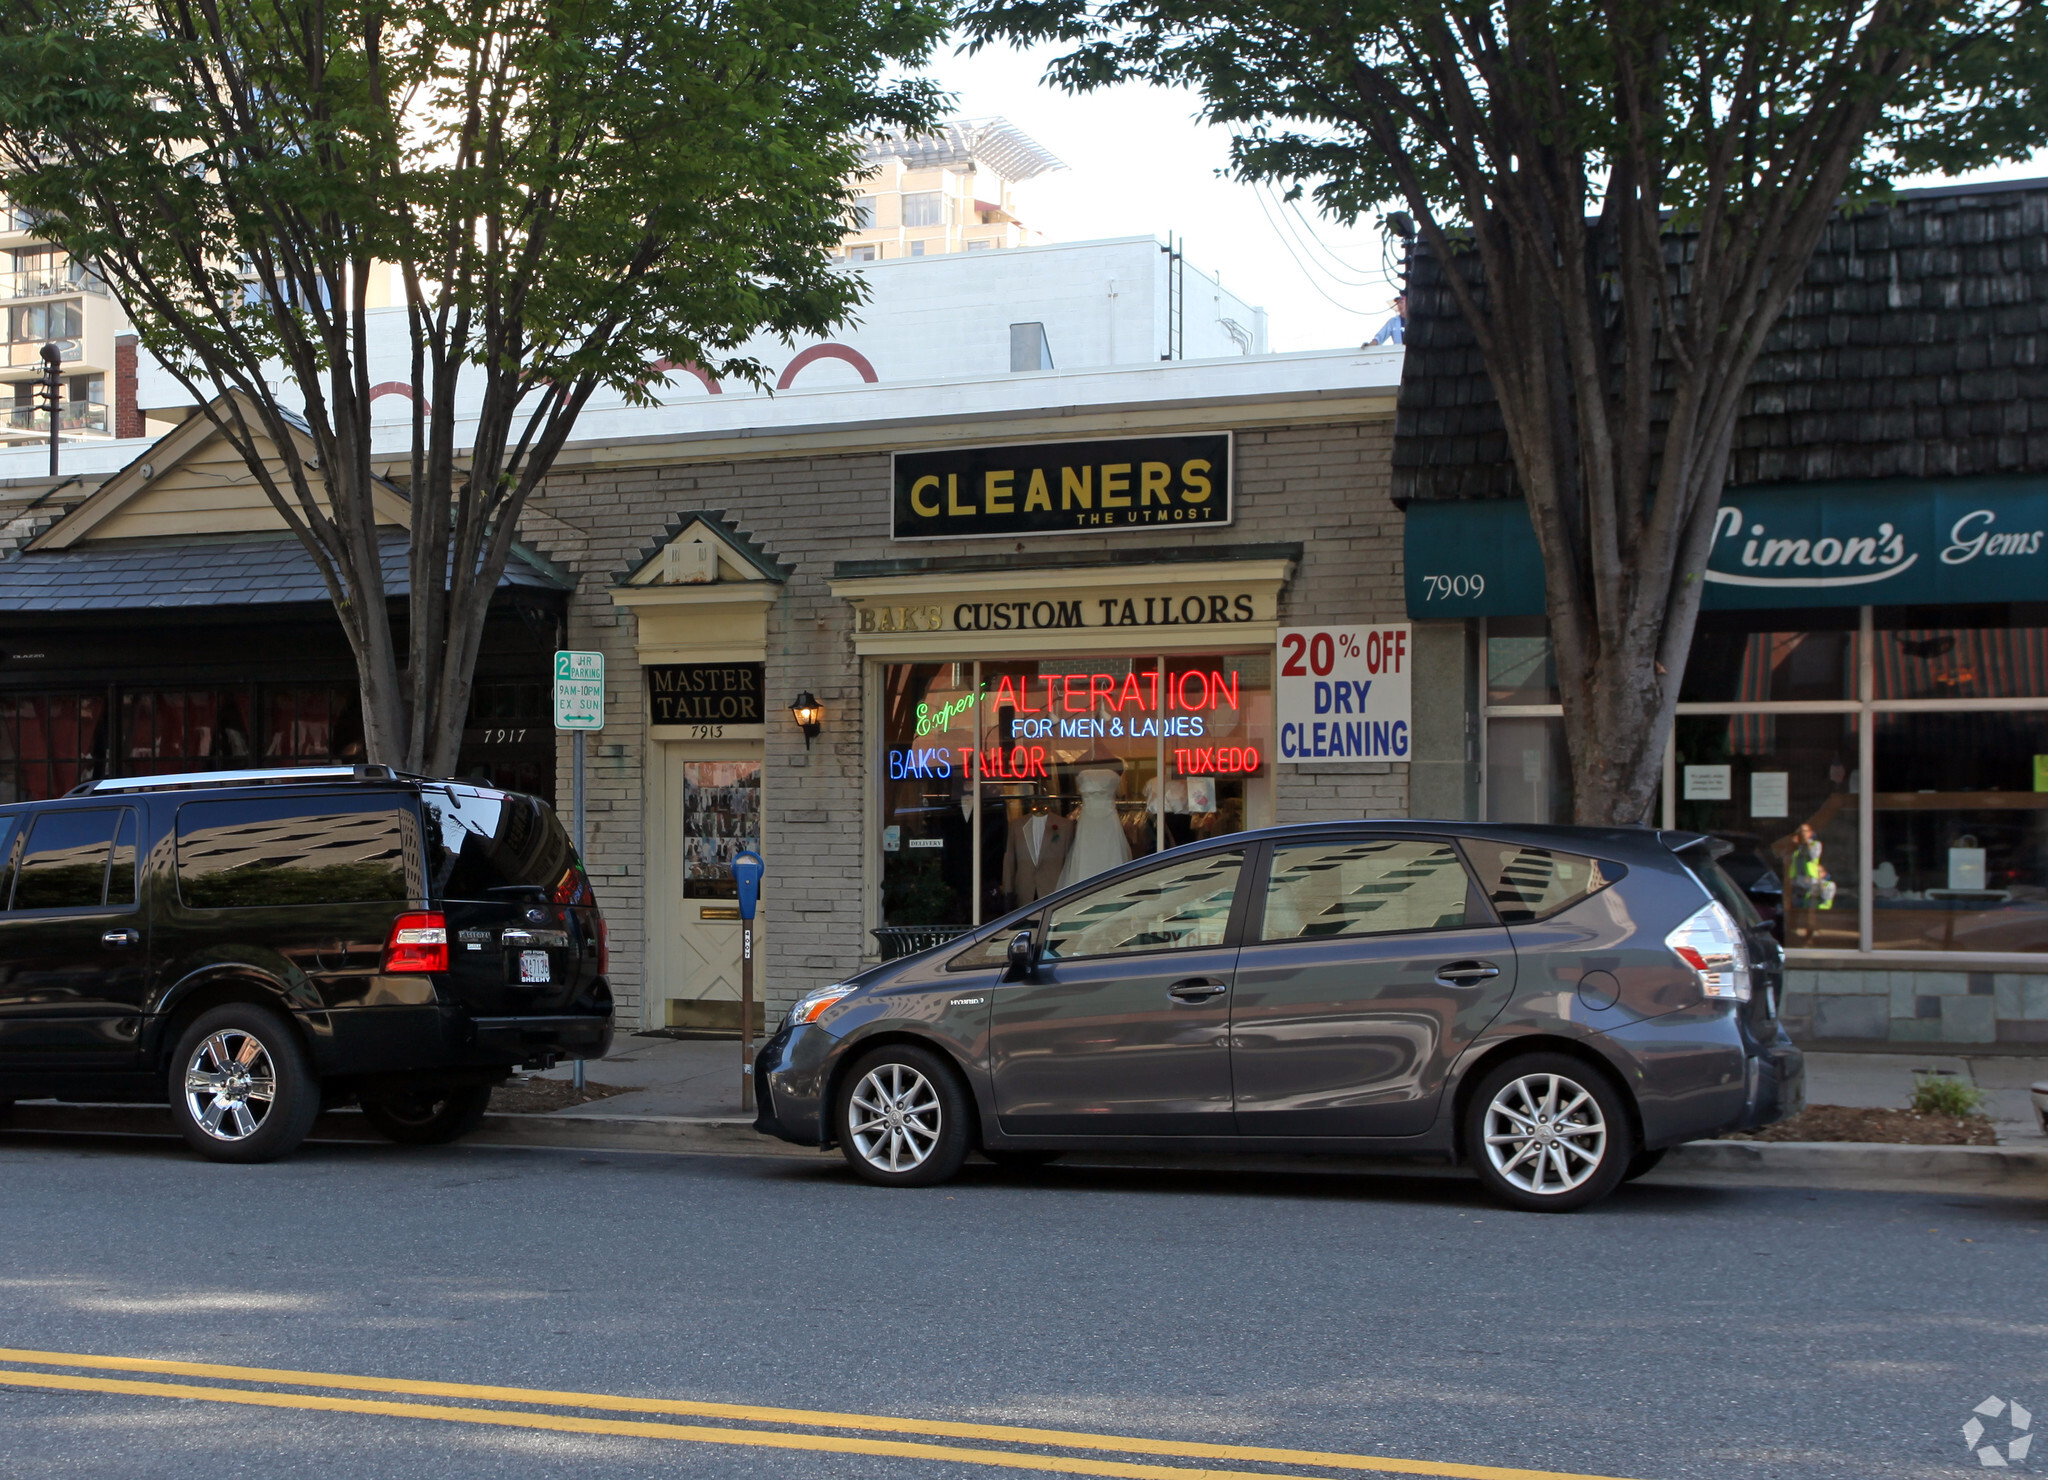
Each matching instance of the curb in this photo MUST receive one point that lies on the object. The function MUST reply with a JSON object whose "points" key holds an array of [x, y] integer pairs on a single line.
{"points": [[728, 1136], [2004, 1171]]}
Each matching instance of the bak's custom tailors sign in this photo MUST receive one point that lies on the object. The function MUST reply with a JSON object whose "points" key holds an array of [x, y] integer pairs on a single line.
{"points": [[1134, 483]]}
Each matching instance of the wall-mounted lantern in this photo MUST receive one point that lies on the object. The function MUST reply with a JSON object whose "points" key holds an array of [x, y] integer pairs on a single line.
{"points": [[809, 715]]}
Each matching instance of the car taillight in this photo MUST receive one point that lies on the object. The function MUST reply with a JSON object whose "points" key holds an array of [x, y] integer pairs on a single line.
{"points": [[418, 942], [573, 887], [1711, 944]]}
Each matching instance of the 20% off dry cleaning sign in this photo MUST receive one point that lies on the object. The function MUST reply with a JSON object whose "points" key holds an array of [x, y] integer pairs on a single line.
{"points": [[1342, 693]]}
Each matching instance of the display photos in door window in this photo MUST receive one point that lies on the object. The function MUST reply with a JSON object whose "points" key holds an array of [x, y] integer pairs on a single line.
{"points": [[721, 819]]}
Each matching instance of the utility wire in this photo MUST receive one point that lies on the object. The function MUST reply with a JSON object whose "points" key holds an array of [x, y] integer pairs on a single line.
{"points": [[1308, 231], [1279, 213], [1287, 246]]}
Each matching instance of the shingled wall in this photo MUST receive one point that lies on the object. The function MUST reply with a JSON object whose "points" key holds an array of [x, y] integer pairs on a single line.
{"points": [[1916, 347]]}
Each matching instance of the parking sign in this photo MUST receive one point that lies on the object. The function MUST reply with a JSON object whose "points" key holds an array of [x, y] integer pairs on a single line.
{"points": [[579, 691]]}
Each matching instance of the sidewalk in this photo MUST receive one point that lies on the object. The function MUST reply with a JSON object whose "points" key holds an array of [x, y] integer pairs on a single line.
{"points": [[692, 1077], [701, 1078]]}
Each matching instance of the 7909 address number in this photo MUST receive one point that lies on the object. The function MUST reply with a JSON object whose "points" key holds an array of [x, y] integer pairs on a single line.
{"points": [[1445, 587]]}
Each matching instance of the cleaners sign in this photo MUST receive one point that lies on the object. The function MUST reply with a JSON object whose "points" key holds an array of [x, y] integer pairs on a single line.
{"points": [[1342, 693]]}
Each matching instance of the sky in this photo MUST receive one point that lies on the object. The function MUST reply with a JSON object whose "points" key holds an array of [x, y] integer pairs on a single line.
{"points": [[1138, 163]]}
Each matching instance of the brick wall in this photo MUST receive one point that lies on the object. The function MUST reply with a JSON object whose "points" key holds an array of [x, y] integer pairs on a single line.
{"points": [[1325, 486], [128, 420]]}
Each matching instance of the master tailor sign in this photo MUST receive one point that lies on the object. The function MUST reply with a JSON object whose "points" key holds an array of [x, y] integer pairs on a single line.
{"points": [[1341, 693]]}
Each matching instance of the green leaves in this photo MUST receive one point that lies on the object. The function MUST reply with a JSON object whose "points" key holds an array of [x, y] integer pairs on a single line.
{"points": [[1368, 100], [547, 195]]}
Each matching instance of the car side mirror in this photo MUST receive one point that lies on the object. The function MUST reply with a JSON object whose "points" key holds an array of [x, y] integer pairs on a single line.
{"points": [[1023, 958]]}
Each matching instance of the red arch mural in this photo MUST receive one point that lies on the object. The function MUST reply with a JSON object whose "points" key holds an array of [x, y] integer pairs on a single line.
{"points": [[399, 388], [692, 367], [827, 351]]}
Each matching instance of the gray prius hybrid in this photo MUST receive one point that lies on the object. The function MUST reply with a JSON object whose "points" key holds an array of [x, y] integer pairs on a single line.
{"points": [[1553, 1007]]}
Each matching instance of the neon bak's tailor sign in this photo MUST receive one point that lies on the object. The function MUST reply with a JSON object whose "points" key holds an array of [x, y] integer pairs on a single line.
{"points": [[1035, 712]]}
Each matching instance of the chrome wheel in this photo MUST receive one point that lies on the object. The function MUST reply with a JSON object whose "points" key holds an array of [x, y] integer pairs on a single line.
{"points": [[893, 1118], [1545, 1134], [230, 1085]]}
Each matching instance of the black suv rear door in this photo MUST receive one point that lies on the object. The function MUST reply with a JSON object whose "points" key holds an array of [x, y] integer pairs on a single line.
{"points": [[522, 923], [1368, 964], [73, 942]]}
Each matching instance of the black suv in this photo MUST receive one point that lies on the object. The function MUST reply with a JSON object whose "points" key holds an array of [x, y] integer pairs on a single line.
{"points": [[1551, 1006], [257, 945]]}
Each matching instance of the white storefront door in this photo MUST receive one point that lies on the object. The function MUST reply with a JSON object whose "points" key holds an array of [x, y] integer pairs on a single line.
{"points": [[713, 812]]}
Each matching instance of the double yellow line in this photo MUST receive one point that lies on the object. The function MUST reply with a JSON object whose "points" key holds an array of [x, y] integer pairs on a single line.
{"points": [[258, 1387]]}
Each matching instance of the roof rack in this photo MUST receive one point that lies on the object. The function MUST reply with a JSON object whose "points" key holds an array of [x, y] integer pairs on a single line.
{"points": [[280, 775]]}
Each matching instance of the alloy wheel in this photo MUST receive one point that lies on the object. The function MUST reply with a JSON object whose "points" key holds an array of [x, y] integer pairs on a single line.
{"points": [[894, 1117], [1545, 1134], [230, 1085]]}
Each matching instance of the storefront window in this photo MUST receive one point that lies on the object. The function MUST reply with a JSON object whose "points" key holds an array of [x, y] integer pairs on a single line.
{"points": [[49, 743], [164, 731], [1960, 855], [1528, 772], [1005, 780], [1782, 788], [1520, 668], [1751, 657], [1969, 652], [312, 725]]}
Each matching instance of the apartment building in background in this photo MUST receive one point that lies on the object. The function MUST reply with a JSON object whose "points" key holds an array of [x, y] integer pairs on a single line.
{"points": [[948, 191], [48, 297]]}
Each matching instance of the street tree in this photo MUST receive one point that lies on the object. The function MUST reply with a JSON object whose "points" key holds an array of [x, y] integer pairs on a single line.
{"points": [[562, 195], [1622, 196]]}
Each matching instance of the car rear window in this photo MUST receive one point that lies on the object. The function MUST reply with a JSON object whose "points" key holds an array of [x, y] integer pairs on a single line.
{"points": [[1700, 860], [490, 844], [1529, 884], [263, 852]]}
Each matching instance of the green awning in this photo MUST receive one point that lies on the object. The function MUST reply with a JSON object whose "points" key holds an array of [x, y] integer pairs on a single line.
{"points": [[1901, 542]]}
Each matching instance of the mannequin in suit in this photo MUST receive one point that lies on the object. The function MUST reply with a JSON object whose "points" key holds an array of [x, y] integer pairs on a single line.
{"points": [[1037, 851]]}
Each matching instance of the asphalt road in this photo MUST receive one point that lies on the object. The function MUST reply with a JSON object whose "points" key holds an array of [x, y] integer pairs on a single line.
{"points": [[1674, 1332]]}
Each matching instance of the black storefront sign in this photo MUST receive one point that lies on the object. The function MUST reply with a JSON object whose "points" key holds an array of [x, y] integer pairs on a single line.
{"points": [[705, 693], [1136, 483]]}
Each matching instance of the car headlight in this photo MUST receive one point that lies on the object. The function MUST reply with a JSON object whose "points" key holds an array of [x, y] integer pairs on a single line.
{"points": [[1711, 943], [811, 1006]]}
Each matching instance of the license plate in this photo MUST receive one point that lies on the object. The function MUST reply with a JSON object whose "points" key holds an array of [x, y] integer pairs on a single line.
{"points": [[533, 966]]}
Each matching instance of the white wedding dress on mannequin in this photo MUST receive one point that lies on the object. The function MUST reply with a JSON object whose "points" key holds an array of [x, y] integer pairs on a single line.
{"points": [[1099, 841]]}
